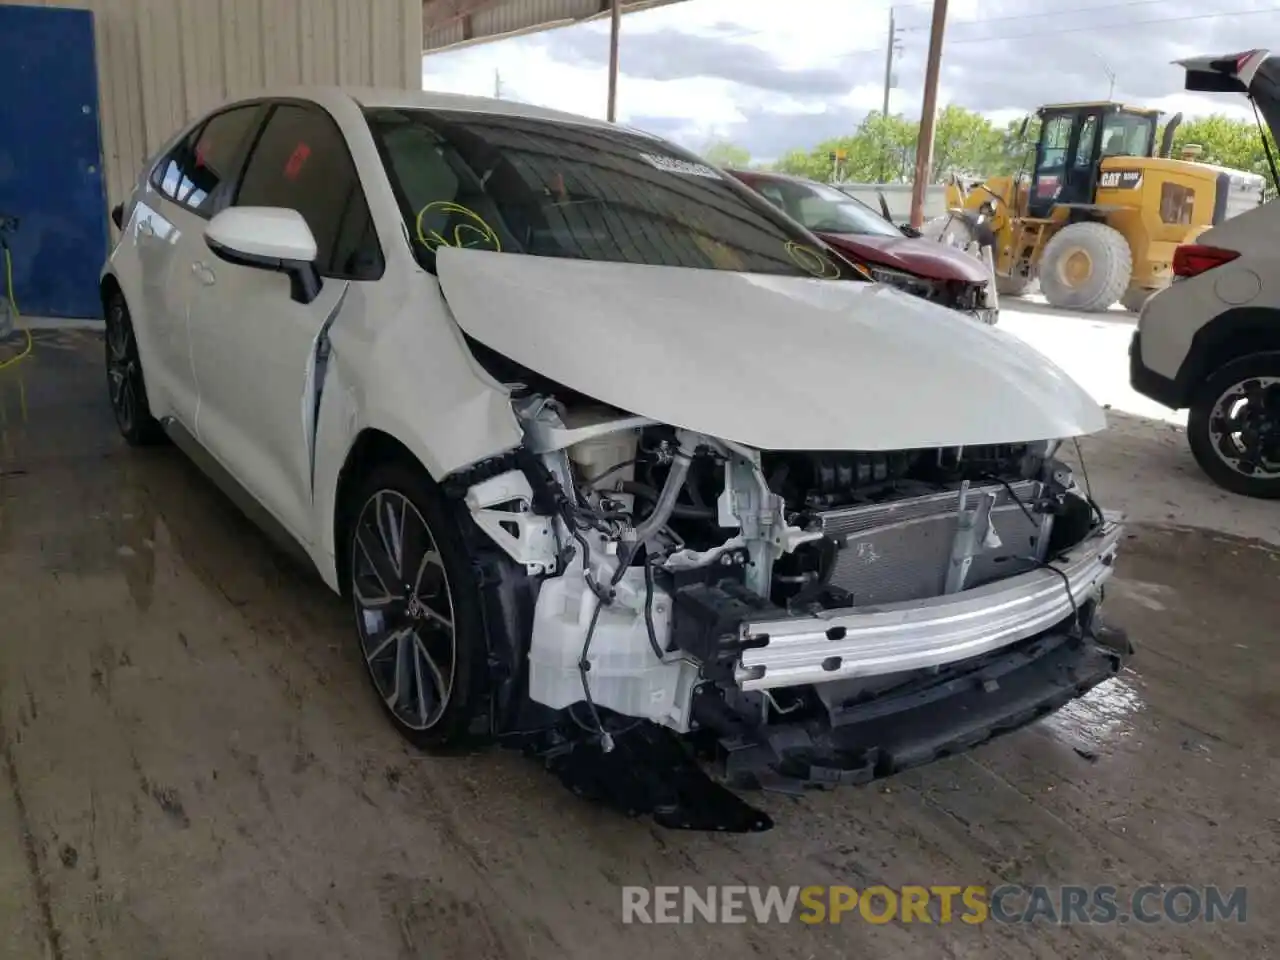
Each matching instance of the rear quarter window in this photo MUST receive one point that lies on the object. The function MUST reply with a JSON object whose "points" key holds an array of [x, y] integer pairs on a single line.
{"points": [[199, 172]]}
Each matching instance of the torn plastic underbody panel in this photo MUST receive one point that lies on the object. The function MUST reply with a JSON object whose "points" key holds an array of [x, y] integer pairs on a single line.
{"points": [[687, 783]]}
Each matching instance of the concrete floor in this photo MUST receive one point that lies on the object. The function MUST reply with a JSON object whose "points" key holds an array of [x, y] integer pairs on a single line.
{"points": [[191, 764]]}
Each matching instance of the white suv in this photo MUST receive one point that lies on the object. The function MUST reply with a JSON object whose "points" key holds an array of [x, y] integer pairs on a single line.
{"points": [[1211, 340]]}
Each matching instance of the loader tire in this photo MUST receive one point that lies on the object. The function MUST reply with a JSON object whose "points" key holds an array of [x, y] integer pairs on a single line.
{"points": [[1085, 266], [1013, 286]]}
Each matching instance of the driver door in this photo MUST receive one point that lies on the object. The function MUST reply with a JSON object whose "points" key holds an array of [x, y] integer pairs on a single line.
{"points": [[254, 345], [1051, 163], [1080, 178]]}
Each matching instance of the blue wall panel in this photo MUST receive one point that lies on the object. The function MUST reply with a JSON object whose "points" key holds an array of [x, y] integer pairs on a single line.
{"points": [[51, 159]]}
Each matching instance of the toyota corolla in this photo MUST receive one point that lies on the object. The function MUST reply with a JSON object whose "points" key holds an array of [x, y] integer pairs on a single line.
{"points": [[605, 464]]}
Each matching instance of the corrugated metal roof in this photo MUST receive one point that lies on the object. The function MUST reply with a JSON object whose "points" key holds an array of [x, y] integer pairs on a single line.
{"points": [[455, 23]]}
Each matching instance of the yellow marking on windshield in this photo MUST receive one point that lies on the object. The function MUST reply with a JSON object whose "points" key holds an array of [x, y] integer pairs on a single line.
{"points": [[476, 233], [812, 261]]}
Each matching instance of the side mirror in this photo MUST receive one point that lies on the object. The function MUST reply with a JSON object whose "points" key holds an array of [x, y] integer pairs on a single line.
{"points": [[268, 238]]}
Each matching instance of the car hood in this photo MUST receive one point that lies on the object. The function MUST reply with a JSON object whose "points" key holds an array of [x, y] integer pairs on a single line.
{"points": [[925, 258], [777, 363]]}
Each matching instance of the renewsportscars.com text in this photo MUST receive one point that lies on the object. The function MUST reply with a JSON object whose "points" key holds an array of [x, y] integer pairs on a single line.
{"points": [[939, 904]]}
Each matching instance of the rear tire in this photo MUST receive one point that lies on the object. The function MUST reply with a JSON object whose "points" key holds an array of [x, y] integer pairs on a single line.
{"points": [[418, 614], [1085, 266], [126, 387], [1227, 456]]}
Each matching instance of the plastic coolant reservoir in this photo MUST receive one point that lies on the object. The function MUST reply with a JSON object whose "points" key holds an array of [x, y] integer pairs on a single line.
{"points": [[625, 675], [596, 455]]}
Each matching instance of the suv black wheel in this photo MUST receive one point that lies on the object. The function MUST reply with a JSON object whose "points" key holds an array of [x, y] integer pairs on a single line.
{"points": [[1234, 426], [417, 607], [125, 385]]}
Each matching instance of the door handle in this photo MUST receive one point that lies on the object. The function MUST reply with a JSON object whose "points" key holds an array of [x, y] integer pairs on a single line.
{"points": [[202, 270], [145, 229]]}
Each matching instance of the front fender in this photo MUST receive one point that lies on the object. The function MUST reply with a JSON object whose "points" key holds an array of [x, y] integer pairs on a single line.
{"points": [[403, 369]]}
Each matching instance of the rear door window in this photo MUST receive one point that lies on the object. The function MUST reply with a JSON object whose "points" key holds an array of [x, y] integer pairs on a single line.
{"points": [[301, 162], [198, 173]]}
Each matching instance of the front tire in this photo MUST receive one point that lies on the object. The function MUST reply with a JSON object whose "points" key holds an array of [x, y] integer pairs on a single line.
{"points": [[126, 387], [417, 608], [1085, 266], [1234, 426]]}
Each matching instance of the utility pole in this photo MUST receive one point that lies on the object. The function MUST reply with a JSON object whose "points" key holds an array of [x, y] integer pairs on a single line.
{"points": [[888, 63], [928, 114], [497, 85], [888, 85], [615, 27]]}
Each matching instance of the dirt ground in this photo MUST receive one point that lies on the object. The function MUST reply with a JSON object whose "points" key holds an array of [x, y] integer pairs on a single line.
{"points": [[192, 766]]}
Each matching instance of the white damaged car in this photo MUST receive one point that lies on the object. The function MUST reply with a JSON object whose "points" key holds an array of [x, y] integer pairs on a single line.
{"points": [[614, 462]]}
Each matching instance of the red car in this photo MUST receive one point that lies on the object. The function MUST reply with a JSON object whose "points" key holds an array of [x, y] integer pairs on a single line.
{"points": [[939, 273]]}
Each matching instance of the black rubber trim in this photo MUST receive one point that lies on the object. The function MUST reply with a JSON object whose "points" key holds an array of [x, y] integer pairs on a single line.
{"points": [[304, 279], [1150, 384], [1220, 198]]}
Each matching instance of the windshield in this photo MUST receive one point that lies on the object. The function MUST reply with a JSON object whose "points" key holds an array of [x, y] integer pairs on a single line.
{"points": [[1128, 135], [824, 209], [549, 189]]}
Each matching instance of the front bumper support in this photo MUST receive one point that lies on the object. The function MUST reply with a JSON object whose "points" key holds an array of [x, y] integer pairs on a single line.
{"points": [[899, 637], [963, 706]]}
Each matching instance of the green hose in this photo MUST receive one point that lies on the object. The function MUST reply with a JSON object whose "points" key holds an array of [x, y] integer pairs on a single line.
{"points": [[13, 307]]}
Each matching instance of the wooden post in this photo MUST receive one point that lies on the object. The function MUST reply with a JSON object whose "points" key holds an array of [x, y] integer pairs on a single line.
{"points": [[928, 114]]}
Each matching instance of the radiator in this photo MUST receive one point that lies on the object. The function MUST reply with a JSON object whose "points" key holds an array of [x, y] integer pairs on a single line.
{"points": [[901, 550]]}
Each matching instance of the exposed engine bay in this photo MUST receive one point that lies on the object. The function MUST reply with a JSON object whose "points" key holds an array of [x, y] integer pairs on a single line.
{"points": [[963, 295], [761, 604]]}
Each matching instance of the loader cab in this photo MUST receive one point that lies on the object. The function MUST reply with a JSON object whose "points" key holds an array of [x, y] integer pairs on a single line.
{"points": [[1074, 140]]}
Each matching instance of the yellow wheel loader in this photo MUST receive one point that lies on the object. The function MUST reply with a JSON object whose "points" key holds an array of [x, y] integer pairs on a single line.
{"points": [[1099, 218]]}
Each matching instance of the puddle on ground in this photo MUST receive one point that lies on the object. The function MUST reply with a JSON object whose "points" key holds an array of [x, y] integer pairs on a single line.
{"points": [[1101, 717], [1142, 593]]}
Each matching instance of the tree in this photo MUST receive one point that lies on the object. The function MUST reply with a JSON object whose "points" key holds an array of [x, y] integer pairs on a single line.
{"points": [[725, 154], [890, 145], [1226, 142], [801, 163], [964, 142], [884, 149], [1017, 148]]}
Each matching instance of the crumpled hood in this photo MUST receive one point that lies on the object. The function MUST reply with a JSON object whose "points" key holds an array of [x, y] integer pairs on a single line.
{"points": [[925, 258], [777, 363]]}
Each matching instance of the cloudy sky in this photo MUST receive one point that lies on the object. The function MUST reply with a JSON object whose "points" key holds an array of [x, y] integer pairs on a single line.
{"points": [[775, 74]]}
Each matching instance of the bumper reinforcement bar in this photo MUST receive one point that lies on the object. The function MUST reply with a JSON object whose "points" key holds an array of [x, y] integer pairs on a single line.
{"points": [[894, 638]]}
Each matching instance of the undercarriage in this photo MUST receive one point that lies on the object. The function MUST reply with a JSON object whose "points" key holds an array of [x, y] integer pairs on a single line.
{"points": [[673, 615]]}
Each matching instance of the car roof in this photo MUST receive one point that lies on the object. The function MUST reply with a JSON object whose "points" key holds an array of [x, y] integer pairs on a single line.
{"points": [[1104, 105], [766, 175], [329, 96]]}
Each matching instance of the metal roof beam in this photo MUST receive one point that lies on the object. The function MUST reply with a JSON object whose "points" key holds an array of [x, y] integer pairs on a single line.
{"points": [[456, 23]]}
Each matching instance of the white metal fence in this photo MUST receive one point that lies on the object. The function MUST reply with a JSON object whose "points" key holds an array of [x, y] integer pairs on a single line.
{"points": [[898, 196]]}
